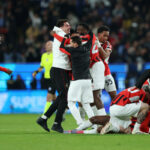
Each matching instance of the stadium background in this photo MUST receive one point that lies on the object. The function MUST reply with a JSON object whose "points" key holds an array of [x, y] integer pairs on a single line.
{"points": [[24, 29]]}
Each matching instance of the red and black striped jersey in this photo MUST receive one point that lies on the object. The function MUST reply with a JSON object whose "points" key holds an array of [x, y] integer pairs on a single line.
{"points": [[94, 53], [145, 125], [130, 95]]}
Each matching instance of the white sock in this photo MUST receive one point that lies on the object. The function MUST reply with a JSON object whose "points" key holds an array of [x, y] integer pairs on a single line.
{"points": [[44, 117], [75, 112], [88, 110], [94, 108], [82, 112], [92, 131], [137, 126], [101, 112]]}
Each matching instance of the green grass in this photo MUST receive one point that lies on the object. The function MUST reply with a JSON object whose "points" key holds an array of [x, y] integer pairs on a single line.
{"points": [[20, 132]]}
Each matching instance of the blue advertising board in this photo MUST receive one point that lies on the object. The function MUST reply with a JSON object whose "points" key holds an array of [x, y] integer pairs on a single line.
{"points": [[31, 101]]}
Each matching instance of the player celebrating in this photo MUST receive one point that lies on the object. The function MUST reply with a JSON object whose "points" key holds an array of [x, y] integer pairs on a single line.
{"points": [[8, 71], [46, 63], [96, 70], [105, 51], [60, 71], [81, 87]]}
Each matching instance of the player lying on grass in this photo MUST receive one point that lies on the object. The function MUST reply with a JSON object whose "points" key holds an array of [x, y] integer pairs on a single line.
{"points": [[8, 71], [131, 102]]}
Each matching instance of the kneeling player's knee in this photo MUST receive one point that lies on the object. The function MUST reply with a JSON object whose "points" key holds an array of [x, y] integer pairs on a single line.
{"points": [[145, 107]]}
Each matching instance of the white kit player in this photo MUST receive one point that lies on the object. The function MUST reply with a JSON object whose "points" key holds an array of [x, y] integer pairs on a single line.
{"points": [[96, 69], [105, 50]]}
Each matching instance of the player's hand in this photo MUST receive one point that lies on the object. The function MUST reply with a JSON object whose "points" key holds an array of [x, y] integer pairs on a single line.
{"points": [[34, 74], [9, 71], [52, 33]]}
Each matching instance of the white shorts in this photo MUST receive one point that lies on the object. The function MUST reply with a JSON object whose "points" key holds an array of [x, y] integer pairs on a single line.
{"points": [[110, 83], [97, 73], [121, 115], [81, 91]]}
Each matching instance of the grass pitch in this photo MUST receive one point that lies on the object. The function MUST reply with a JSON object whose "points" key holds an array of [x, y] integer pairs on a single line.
{"points": [[20, 132]]}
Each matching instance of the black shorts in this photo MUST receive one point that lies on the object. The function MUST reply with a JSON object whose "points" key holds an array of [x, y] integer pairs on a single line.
{"points": [[50, 86]]}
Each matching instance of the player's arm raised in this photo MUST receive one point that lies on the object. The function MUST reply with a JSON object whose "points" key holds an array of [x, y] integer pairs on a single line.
{"points": [[64, 49]]}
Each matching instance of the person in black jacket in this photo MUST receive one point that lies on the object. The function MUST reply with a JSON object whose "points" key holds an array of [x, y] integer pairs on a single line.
{"points": [[80, 89]]}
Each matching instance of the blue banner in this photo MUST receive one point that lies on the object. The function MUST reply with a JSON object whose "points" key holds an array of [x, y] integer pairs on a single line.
{"points": [[31, 101]]}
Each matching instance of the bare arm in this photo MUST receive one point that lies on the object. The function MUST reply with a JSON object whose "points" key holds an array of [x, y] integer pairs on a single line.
{"points": [[104, 53], [37, 71]]}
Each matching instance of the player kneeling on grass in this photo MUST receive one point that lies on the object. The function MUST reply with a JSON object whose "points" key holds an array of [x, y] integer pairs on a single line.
{"points": [[80, 88], [132, 102]]}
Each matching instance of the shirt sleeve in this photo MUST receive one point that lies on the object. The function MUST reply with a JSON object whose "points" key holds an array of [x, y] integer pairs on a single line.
{"points": [[64, 49], [42, 61], [88, 45], [3, 69]]}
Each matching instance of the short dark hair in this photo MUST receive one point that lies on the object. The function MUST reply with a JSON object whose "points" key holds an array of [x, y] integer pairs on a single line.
{"points": [[103, 28], [76, 39], [61, 22], [84, 25], [72, 31]]}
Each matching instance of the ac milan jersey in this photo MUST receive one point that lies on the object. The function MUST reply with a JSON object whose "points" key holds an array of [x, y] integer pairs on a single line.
{"points": [[107, 46], [145, 125], [130, 95], [94, 53], [147, 82]]}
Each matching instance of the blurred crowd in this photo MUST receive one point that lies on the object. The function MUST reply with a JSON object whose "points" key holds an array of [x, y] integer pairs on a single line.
{"points": [[25, 25], [19, 83]]}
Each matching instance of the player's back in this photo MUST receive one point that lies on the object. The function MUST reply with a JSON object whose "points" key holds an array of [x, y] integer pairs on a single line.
{"points": [[130, 95], [80, 58]]}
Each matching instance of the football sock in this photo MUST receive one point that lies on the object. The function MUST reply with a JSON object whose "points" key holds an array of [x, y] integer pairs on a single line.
{"points": [[82, 112], [75, 112], [47, 105], [88, 110], [44, 117], [101, 112], [94, 108], [137, 126]]}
